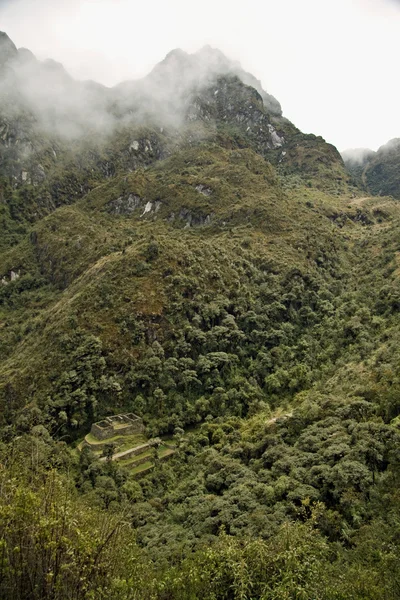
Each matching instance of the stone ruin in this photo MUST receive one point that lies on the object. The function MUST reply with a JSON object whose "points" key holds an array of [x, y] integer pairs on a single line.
{"points": [[117, 425]]}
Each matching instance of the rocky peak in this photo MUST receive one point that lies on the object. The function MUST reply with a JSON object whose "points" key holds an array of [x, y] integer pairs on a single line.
{"points": [[174, 56], [180, 71], [54, 66], [391, 146], [8, 50], [175, 72], [164, 95], [25, 56], [205, 88], [216, 60]]}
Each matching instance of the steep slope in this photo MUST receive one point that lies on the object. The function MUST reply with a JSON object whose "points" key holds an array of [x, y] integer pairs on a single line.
{"points": [[382, 174], [378, 172]]}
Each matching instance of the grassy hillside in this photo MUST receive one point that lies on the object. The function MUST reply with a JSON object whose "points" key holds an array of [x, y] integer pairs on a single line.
{"points": [[225, 279], [179, 255]]}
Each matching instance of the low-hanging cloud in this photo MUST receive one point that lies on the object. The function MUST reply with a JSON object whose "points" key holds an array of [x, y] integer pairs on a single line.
{"points": [[45, 93], [332, 65], [69, 108], [357, 156]]}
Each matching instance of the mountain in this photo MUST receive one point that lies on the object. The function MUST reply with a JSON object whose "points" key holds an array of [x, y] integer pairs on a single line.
{"points": [[382, 174], [50, 109], [8, 50], [183, 148], [379, 171], [181, 72], [175, 247], [356, 159]]}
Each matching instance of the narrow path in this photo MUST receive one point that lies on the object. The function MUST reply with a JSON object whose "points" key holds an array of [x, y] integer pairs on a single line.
{"points": [[359, 201], [275, 419]]}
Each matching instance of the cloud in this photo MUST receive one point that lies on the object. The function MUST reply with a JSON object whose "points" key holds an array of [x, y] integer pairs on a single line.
{"points": [[43, 92], [357, 156], [333, 66]]}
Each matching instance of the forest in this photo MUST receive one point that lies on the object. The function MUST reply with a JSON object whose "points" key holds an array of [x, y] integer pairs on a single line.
{"points": [[236, 288]]}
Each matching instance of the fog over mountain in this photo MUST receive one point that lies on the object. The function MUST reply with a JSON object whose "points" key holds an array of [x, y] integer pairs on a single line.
{"points": [[72, 107], [331, 65], [378, 172], [357, 156]]}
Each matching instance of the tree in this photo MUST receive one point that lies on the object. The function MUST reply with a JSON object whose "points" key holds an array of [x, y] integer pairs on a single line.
{"points": [[109, 450]]}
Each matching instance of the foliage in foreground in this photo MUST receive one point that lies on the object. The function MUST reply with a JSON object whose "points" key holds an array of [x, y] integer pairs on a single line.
{"points": [[56, 545], [53, 544]]}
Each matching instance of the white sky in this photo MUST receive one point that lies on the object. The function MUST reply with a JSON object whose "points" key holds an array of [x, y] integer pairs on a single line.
{"points": [[332, 65]]}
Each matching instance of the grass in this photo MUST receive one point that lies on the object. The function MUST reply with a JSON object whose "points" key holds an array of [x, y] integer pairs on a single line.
{"points": [[134, 459], [166, 452], [163, 452], [128, 442], [143, 467], [123, 442]]}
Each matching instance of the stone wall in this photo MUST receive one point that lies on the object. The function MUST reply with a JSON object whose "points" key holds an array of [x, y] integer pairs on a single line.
{"points": [[102, 433], [117, 425], [135, 422], [136, 450]]}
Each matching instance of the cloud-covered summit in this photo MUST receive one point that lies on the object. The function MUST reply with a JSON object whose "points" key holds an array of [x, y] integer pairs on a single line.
{"points": [[69, 107], [180, 70]]}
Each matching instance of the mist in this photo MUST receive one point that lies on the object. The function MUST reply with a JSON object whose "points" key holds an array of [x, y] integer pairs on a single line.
{"points": [[357, 156], [332, 66], [63, 106]]}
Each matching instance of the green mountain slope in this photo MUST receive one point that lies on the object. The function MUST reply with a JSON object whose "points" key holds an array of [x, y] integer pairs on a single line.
{"points": [[231, 221], [184, 252], [378, 172], [382, 175]]}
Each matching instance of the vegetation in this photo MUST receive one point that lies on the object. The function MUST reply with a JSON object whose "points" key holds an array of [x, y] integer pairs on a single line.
{"points": [[242, 297], [377, 172]]}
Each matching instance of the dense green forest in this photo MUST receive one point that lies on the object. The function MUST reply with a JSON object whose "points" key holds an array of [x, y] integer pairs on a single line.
{"points": [[227, 280]]}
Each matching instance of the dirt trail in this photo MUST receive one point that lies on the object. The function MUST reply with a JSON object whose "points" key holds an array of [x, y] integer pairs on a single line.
{"points": [[359, 201], [275, 419]]}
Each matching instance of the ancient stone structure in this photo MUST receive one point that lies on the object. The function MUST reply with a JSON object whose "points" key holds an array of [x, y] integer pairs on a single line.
{"points": [[117, 425]]}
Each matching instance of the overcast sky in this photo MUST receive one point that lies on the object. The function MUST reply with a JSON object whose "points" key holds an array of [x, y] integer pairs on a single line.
{"points": [[334, 66]]}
